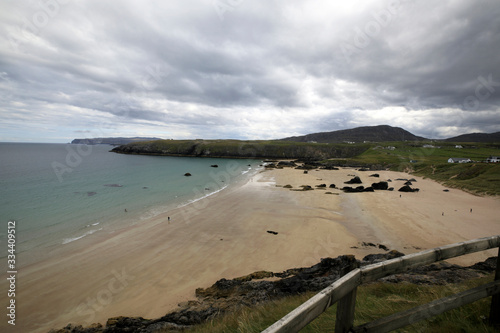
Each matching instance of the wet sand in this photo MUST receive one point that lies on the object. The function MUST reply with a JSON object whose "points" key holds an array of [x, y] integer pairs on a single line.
{"points": [[147, 269]]}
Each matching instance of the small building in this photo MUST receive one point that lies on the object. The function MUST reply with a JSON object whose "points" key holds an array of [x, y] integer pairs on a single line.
{"points": [[493, 159], [458, 147], [459, 160]]}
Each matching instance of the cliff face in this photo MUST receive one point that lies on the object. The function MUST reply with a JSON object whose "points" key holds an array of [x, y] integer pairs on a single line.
{"points": [[110, 141], [241, 149]]}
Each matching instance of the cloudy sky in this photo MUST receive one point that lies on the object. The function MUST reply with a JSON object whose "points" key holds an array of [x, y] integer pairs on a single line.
{"points": [[246, 69]]}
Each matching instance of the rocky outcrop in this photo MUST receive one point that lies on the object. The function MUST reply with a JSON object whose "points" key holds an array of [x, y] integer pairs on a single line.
{"points": [[287, 164], [408, 188], [359, 189], [354, 180], [380, 186]]}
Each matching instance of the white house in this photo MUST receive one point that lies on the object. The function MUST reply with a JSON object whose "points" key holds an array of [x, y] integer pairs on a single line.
{"points": [[459, 160], [493, 159]]}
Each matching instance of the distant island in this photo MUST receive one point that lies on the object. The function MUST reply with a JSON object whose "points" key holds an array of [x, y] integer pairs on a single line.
{"points": [[111, 141]]}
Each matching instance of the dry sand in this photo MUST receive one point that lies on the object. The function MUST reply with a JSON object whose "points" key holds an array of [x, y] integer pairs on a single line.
{"points": [[147, 269]]}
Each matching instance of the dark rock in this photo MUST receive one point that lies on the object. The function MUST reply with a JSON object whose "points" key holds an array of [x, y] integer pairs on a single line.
{"points": [[375, 175], [489, 265], [305, 171], [214, 166], [390, 189], [383, 247], [272, 232], [446, 190], [308, 166], [332, 186], [375, 258], [412, 180], [408, 183], [305, 188], [321, 185], [288, 186], [402, 179], [355, 180], [368, 244], [329, 167], [187, 174], [380, 186], [363, 169], [358, 189], [407, 188], [287, 164]]}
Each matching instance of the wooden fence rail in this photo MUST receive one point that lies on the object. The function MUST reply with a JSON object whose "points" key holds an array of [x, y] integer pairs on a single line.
{"points": [[344, 291]]}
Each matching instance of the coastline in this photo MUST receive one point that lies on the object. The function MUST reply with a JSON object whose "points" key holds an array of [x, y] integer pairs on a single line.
{"points": [[147, 269]]}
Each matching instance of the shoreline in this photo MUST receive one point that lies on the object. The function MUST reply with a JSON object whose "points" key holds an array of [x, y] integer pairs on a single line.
{"points": [[148, 268]]}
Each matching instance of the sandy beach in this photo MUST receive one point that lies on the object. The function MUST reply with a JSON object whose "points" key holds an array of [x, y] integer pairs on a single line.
{"points": [[149, 268]]}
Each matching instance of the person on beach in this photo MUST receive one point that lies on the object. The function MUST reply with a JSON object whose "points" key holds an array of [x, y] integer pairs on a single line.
{"points": [[169, 220]]}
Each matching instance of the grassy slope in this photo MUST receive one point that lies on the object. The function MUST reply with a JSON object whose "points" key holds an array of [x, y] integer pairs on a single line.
{"points": [[480, 178], [373, 301]]}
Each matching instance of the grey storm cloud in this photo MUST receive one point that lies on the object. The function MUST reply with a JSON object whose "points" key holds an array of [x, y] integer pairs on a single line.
{"points": [[246, 69]]}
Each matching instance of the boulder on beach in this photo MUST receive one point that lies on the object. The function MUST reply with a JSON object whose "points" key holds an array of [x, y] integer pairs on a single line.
{"points": [[375, 175], [355, 180], [380, 186], [332, 186], [214, 166], [306, 188], [359, 189], [407, 188], [187, 174], [321, 185]]}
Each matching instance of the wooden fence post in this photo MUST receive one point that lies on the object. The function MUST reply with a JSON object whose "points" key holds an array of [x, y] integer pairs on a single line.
{"points": [[495, 299], [345, 306]]}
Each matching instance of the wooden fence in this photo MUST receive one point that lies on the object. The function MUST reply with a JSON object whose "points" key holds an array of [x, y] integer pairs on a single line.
{"points": [[343, 291]]}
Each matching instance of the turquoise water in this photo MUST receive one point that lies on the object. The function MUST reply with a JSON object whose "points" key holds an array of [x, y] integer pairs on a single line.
{"points": [[59, 193]]}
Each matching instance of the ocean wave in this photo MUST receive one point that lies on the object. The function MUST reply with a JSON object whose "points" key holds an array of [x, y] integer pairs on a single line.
{"points": [[203, 197], [69, 240]]}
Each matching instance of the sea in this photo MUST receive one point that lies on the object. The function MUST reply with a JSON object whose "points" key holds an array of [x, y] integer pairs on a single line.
{"points": [[61, 193]]}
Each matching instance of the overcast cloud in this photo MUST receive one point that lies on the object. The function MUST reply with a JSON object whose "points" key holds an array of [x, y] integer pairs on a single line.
{"points": [[246, 69]]}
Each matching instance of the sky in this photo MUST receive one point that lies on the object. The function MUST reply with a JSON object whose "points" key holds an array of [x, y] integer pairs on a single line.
{"points": [[241, 69]]}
